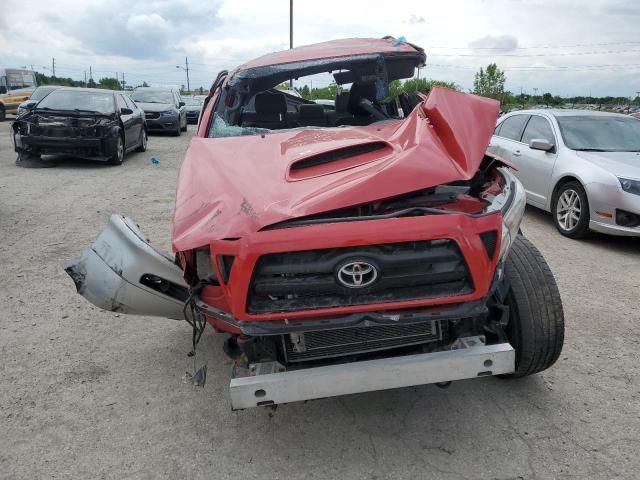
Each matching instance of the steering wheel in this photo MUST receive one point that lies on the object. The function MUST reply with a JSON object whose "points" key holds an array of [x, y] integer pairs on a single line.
{"points": [[368, 105]]}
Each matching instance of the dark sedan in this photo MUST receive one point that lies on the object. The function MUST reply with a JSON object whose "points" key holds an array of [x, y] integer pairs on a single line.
{"points": [[164, 109], [83, 122], [193, 106]]}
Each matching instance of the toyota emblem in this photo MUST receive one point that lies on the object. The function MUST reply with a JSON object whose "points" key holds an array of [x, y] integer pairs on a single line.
{"points": [[357, 274]]}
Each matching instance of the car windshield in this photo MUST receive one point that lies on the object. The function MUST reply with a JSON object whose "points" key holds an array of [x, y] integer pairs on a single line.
{"points": [[152, 96], [41, 92], [600, 133], [70, 100]]}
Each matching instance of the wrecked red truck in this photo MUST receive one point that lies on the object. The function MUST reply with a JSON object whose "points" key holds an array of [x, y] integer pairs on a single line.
{"points": [[369, 245]]}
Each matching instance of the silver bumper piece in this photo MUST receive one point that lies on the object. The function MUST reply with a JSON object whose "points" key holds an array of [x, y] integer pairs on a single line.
{"points": [[122, 272], [267, 384]]}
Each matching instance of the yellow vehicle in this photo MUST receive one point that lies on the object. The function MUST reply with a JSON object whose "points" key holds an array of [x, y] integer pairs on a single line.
{"points": [[16, 86]]}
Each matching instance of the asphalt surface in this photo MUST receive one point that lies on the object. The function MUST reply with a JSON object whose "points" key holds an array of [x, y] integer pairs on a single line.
{"points": [[90, 394]]}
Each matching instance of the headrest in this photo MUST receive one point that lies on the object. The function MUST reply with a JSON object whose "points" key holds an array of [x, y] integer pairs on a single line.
{"points": [[342, 101], [358, 92], [271, 103]]}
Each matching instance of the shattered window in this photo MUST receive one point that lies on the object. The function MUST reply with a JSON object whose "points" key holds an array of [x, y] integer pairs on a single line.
{"points": [[220, 128]]}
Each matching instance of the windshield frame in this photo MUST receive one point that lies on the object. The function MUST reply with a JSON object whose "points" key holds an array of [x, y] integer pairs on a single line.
{"points": [[564, 127]]}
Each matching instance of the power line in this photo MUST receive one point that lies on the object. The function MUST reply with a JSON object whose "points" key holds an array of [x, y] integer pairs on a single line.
{"points": [[534, 47], [513, 55]]}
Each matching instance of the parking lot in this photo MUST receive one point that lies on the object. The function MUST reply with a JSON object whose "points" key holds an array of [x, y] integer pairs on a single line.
{"points": [[91, 394]]}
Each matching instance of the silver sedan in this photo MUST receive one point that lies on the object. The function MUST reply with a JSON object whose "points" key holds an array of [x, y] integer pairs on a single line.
{"points": [[582, 166]]}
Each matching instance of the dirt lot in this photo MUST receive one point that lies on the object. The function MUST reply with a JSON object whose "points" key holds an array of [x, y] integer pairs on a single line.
{"points": [[89, 394]]}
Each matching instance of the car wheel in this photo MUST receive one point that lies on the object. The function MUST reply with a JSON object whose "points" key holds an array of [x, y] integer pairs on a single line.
{"points": [[143, 141], [184, 129], [536, 319], [3, 115], [178, 130], [118, 155], [571, 210]]}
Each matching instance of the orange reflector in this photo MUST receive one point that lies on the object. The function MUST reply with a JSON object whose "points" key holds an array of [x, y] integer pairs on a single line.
{"points": [[605, 214]]}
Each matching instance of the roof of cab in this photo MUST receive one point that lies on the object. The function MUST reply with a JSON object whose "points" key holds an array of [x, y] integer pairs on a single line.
{"points": [[346, 47]]}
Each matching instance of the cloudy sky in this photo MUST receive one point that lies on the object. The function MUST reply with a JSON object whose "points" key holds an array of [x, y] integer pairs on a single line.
{"points": [[567, 47]]}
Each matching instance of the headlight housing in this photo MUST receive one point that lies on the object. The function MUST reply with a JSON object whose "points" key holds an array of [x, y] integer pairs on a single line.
{"points": [[512, 211], [204, 266], [168, 113], [629, 185]]}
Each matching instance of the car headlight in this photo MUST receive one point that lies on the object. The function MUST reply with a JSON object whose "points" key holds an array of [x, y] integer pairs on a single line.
{"points": [[168, 113], [629, 185], [204, 266], [513, 210]]}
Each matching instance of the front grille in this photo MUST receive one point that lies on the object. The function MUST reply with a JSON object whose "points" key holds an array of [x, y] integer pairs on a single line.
{"points": [[285, 282], [302, 347], [152, 115]]}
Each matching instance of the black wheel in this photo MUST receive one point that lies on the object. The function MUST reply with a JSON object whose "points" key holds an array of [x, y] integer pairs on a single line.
{"points": [[3, 114], [142, 147], [536, 320], [184, 129], [178, 131], [570, 210], [118, 155]]}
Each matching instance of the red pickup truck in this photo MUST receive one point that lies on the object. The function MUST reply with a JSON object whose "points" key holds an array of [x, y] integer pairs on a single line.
{"points": [[345, 248]]}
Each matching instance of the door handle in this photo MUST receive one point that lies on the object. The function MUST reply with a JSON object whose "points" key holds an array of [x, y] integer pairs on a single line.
{"points": [[517, 153]]}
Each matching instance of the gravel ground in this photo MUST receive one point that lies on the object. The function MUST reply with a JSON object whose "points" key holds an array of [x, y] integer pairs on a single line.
{"points": [[89, 394]]}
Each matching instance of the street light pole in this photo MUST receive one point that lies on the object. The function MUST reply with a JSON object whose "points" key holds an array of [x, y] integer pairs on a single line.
{"points": [[291, 34], [186, 69]]}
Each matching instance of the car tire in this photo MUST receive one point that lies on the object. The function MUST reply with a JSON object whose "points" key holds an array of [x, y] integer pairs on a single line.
{"points": [[536, 318], [571, 202], [118, 155], [144, 138], [178, 131], [3, 114], [186, 125]]}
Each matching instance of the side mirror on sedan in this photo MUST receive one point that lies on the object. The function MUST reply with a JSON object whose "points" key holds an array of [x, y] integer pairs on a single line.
{"points": [[30, 105], [540, 144], [181, 104], [126, 111]]}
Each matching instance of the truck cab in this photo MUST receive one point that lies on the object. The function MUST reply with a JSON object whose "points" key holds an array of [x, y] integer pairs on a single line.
{"points": [[16, 86]]}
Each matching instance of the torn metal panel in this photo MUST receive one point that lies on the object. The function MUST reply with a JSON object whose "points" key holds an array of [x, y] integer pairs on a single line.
{"points": [[122, 272]]}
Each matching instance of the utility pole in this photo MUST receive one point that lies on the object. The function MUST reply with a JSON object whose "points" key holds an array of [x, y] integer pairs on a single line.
{"points": [[123, 82], [291, 34], [53, 67], [90, 74], [186, 69], [85, 79]]}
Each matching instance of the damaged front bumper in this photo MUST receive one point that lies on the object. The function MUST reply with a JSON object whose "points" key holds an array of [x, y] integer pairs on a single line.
{"points": [[122, 272], [270, 383]]}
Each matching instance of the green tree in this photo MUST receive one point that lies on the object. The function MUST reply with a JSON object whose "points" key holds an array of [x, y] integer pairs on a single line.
{"points": [[109, 83], [547, 98], [489, 82]]}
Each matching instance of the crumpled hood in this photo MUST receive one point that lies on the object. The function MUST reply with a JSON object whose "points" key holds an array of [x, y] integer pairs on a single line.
{"points": [[621, 164], [232, 187], [156, 107]]}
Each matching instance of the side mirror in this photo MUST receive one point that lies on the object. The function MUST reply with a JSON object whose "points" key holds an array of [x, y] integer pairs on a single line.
{"points": [[181, 104], [3, 89], [30, 105], [126, 111], [540, 144]]}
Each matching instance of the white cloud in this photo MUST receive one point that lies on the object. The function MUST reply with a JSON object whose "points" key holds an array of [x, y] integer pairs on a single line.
{"points": [[147, 38]]}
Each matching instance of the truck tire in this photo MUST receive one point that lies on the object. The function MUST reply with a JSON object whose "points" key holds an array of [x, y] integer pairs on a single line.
{"points": [[536, 320]]}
